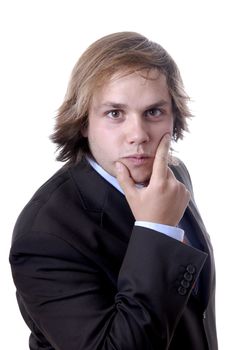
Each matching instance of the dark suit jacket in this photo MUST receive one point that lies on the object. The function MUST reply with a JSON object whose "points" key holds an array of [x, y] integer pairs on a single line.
{"points": [[87, 279]]}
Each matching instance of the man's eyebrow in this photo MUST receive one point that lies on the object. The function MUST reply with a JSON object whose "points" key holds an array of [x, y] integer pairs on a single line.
{"points": [[113, 105], [116, 105], [160, 103]]}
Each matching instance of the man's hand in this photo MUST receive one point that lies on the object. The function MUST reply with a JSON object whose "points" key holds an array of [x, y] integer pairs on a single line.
{"points": [[165, 199]]}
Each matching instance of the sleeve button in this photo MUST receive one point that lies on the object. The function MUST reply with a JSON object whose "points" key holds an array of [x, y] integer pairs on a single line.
{"points": [[191, 269], [182, 290], [185, 284], [188, 277]]}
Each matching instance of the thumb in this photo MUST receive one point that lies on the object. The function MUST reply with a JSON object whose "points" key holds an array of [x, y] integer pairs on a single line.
{"points": [[124, 178]]}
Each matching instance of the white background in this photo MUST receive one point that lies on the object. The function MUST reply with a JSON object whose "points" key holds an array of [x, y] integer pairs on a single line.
{"points": [[41, 41]]}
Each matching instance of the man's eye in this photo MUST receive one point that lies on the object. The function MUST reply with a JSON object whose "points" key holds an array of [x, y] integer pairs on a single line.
{"points": [[154, 112], [114, 114]]}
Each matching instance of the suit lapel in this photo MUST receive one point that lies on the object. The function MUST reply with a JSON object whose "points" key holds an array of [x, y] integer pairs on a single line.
{"points": [[100, 197]]}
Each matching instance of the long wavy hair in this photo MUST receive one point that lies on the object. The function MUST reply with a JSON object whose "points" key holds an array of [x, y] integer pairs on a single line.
{"points": [[123, 51]]}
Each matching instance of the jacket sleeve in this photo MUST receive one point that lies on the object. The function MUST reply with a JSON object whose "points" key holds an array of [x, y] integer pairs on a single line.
{"points": [[75, 305]]}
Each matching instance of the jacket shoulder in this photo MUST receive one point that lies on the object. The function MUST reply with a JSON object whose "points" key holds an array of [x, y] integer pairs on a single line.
{"points": [[181, 173], [43, 197]]}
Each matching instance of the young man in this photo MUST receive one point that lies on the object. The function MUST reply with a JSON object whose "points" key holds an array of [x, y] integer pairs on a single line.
{"points": [[111, 252]]}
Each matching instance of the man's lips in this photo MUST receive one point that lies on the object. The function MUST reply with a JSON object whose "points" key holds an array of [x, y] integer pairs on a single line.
{"points": [[137, 155], [136, 159]]}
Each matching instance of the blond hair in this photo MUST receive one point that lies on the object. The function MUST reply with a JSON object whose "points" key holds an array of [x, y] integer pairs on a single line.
{"points": [[127, 51]]}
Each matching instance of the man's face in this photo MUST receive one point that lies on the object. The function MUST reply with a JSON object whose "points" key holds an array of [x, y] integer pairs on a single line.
{"points": [[127, 118]]}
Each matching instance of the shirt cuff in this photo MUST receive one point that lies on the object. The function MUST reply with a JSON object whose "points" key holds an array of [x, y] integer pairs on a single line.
{"points": [[171, 231]]}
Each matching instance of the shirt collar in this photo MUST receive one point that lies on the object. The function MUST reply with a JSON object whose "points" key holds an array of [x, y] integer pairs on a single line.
{"points": [[109, 178]]}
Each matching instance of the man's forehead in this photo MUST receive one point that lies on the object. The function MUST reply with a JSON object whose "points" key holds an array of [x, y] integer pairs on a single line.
{"points": [[145, 73]]}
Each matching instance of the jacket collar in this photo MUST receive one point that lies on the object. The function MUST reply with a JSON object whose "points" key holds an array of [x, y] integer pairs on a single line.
{"points": [[103, 200]]}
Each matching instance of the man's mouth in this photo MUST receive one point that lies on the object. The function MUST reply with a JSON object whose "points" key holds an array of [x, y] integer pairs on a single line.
{"points": [[137, 159]]}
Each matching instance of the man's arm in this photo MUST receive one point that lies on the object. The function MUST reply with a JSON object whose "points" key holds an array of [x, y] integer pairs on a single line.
{"points": [[75, 305]]}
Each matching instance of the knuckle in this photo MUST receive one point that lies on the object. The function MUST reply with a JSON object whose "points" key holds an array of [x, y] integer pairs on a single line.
{"points": [[162, 157], [161, 185], [188, 195]]}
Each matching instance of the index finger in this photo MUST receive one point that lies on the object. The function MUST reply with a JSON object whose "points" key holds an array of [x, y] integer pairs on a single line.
{"points": [[160, 166]]}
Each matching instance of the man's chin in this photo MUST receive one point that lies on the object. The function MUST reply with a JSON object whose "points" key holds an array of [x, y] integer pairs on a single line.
{"points": [[140, 178]]}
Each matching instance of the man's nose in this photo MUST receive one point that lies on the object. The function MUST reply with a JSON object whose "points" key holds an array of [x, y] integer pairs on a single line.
{"points": [[136, 131]]}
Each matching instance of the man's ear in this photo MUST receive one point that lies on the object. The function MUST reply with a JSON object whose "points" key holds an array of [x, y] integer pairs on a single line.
{"points": [[84, 129]]}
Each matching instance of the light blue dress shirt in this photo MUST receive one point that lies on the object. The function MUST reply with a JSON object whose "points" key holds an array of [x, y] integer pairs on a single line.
{"points": [[173, 232]]}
